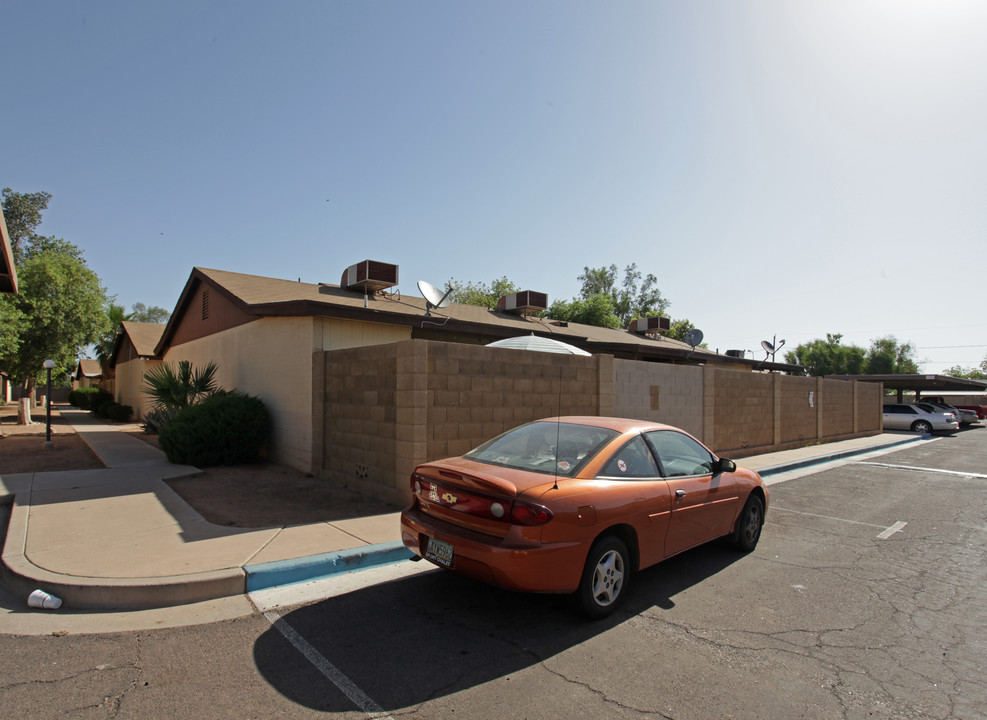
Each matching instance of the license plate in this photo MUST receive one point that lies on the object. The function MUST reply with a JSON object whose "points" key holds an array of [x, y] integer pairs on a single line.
{"points": [[439, 552]]}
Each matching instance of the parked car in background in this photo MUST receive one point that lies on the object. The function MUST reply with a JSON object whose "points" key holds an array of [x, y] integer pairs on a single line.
{"points": [[980, 410], [920, 417], [576, 504], [967, 417], [946, 408]]}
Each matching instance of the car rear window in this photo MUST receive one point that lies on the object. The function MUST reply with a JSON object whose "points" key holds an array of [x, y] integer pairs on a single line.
{"points": [[546, 447]]}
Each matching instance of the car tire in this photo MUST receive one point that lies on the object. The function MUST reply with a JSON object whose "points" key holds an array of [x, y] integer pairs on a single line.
{"points": [[605, 578], [922, 426], [749, 524]]}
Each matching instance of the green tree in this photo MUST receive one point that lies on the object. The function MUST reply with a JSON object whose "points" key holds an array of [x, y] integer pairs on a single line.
{"points": [[140, 312], [957, 371], [60, 306], [22, 212], [115, 316], [889, 357], [594, 310], [480, 293], [680, 329], [632, 299], [828, 357]]}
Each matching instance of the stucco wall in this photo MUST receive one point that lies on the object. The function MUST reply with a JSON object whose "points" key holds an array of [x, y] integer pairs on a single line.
{"points": [[128, 383], [271, 358]]}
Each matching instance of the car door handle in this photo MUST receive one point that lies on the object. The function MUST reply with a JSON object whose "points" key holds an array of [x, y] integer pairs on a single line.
{"points": [[679, 494]]}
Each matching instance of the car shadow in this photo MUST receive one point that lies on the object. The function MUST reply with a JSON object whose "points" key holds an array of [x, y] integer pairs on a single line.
{"points": [[435, 634]]}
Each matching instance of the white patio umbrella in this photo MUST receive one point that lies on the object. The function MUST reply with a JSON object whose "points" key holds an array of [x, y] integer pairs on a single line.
{"points": [[538, 344]]}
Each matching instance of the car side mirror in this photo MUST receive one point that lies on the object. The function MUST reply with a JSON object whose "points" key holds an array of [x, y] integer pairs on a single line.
{"points": [[723, 465]]}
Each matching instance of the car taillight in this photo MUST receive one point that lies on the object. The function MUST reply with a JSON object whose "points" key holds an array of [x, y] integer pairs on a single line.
{"points": [[525, 513], [482, 505]]}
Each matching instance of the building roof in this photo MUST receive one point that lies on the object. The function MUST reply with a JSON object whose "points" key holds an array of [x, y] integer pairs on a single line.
{"points": [[264, 297], [920, 383], [143, 336], [88, 368], [8, 273]]}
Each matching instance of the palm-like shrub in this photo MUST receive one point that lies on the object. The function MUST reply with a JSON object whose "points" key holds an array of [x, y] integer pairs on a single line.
{"points": [[174, 389]]}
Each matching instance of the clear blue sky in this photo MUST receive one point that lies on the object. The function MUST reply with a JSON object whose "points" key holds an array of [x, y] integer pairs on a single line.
{"points": [[784, 168]]}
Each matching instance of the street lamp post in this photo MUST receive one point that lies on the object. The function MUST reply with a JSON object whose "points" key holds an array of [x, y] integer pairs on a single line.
{"points": [[49, 364]]}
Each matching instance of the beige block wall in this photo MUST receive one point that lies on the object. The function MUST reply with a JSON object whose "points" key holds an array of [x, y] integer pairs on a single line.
{"points": [[743, 410], [837, 408], [475, 393], [129, 382], [387, 409], [798, 417], [870, 398], [381, 411], [660, 392]]}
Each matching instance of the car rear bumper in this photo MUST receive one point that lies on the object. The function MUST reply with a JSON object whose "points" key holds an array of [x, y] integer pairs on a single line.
{"points": [[514, 563]]}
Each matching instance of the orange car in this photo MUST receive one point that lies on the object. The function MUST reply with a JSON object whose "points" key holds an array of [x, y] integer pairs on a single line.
{"points": [[574, 504]]}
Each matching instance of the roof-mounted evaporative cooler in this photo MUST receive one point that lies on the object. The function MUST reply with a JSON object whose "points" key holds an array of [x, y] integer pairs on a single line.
{"points": [[526, 302], [369, 276], [650, 325]]}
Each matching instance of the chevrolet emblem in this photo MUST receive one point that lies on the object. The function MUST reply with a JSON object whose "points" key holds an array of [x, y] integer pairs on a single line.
{"points": [[449, 498]]}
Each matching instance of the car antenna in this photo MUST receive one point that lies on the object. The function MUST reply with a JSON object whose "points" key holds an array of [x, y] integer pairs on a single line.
{"points": [[558, 433]]}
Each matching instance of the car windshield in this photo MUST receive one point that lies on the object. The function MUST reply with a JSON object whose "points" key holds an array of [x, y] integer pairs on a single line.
{"points": [[546, 447]]}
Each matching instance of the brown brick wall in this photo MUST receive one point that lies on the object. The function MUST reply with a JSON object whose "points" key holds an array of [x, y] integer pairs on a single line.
{"points": [[356, 422], [660, 392], [476, 393], [870, 398], [743, 410], [799, 417], [381, 410], [837, 408]]}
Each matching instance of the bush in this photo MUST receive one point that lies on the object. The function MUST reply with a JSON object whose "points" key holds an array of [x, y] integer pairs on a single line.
{"points": [[156, 418], [116, 412], [224, 429], [98, 399], [81, 397]]}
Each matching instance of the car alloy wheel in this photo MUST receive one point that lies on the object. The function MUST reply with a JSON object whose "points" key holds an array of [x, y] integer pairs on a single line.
{"points": [[922, 426], [749, 524], [605, 577]]}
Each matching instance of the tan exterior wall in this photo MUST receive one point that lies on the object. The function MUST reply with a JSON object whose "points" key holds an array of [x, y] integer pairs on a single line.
{"points": [[128, 384], [837, 408], [660, 392], [271, 358]]}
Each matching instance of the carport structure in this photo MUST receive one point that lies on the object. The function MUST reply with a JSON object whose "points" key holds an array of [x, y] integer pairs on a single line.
{"points": [[919, 384]]}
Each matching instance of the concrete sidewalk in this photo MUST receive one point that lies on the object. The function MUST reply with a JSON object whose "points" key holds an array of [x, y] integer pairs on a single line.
{"points": [[120, 538]]}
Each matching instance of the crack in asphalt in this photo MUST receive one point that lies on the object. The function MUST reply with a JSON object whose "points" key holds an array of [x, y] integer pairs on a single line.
{"points": [[603, 696]]}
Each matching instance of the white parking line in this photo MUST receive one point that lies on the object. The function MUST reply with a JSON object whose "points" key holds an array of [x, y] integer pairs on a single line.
{"points": [[925, 469], [331, 672], [885, 533]]}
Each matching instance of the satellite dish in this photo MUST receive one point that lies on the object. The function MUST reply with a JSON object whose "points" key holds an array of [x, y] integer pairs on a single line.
{"points": [[694, 337], [434, 298], [772, 348]]}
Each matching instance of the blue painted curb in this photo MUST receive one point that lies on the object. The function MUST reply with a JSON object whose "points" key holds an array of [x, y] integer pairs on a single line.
{"points": [[313, 567], [785, 467]]}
